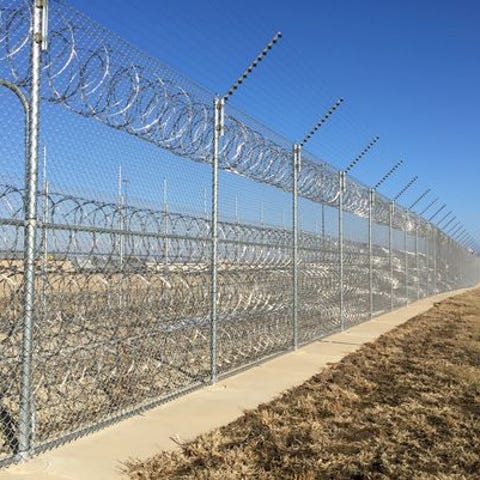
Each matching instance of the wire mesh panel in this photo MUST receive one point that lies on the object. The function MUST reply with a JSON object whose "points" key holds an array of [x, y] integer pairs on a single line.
{"points": [[445, 275], [127, 311], [123, 277], [423, 279], [431, 261], [14, 43], [254, 273], [356, 259], [449, 275], [381, 281], [411, 265], [398, 259], [319, 282], [11, 282]]}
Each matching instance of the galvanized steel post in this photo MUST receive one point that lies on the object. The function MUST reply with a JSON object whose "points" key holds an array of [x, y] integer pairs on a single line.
{"points": [[405, 247], [434, 260], [427, 250], [342, 176], [30, 205], [23, 423], [371, 203], [390, 250], [218, 107], [297, 158], [417, 262], [430, 257], [218, 131], [405, 232]]}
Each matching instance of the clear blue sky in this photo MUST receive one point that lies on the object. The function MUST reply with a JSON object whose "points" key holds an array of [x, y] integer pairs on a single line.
{"points": [[409, 71]]}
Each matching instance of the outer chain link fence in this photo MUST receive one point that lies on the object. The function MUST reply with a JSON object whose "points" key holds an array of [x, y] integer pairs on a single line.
{"points": [[119, 293]]}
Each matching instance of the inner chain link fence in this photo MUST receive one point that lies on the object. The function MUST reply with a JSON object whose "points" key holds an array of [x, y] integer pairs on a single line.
{"points": [[122, 293]]}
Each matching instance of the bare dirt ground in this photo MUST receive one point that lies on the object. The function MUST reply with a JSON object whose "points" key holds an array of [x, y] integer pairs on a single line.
{"points": [[404, 407]]}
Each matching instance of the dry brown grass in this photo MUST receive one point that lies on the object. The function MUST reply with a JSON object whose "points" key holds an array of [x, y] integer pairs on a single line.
{"points": [[404, 407]]}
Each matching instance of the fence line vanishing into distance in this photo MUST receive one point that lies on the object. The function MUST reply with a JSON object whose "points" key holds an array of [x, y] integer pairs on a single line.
{"points": [[114, 302]]}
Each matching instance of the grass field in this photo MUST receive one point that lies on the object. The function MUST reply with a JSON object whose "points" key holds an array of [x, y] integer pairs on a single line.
{"points": [[404, 407]]}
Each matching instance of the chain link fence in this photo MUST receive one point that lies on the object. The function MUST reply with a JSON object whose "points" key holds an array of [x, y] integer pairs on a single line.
{"points": [[122, 284]]}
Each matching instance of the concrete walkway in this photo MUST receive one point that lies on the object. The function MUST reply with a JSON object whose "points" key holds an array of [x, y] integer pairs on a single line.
{"points": [[99, 455]]}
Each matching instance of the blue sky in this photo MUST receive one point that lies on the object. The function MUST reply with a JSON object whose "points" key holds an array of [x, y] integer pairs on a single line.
{"points": [[409, 72]]}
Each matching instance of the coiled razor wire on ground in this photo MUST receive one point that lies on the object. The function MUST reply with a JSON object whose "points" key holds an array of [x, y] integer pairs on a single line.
{"points": [[123, 303]]}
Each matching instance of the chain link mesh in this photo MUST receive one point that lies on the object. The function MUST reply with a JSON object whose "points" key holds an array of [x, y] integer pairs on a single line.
{"points": [[123, 255]]}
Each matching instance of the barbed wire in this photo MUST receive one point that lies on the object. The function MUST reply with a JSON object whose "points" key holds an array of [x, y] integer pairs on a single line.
{"points": [[90, 71], [123, 304], [124, 298]]}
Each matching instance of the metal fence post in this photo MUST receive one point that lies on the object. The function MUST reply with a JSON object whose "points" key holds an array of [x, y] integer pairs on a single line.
{"points": [[430, 262], [427, 262], [297, 155], [218, 107], [26, 108], [30, 205], [405, 247], [340, 245], [218, 131], [370, 250], [417, 262], [434, 259], [405, 232], [390, 250]]}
